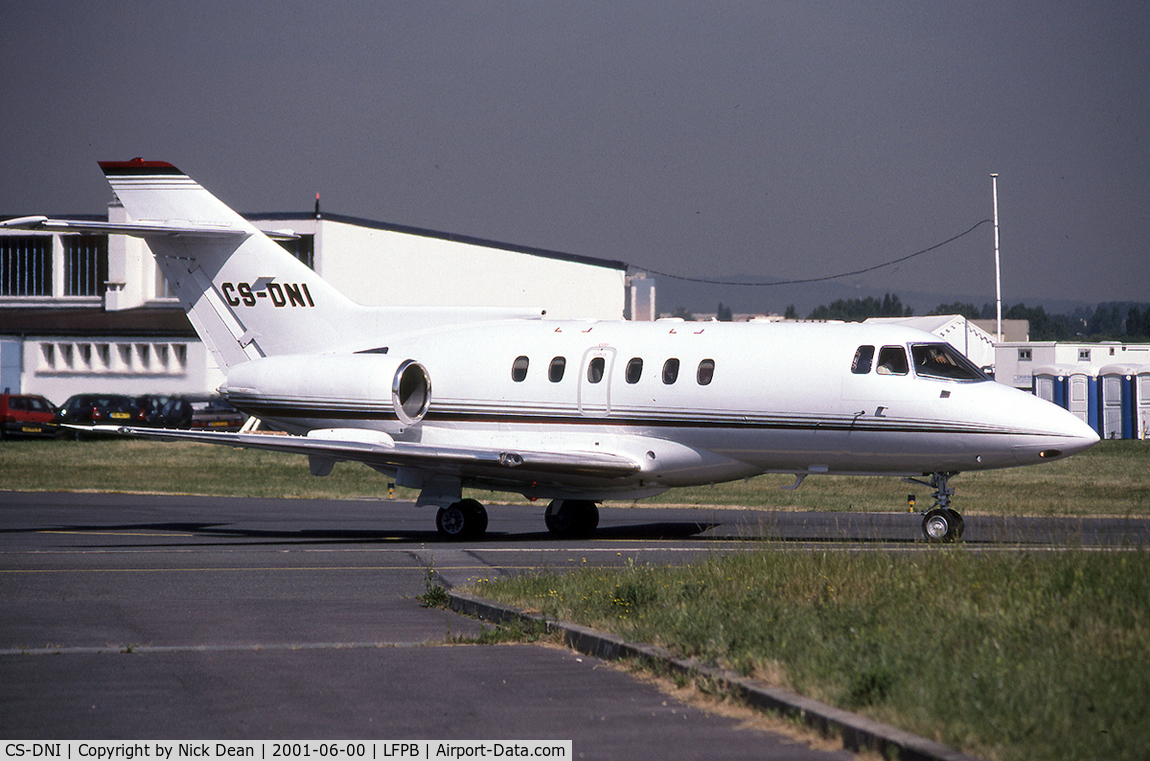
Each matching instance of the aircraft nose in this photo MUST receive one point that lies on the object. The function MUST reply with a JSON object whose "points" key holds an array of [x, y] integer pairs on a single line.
{"points": [[1065, 433], [1080, 435], [1040, 430]]}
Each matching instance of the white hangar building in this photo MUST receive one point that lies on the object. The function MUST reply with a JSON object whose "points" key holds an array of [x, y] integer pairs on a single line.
{"points": [[92, 313], [1018, 360]]}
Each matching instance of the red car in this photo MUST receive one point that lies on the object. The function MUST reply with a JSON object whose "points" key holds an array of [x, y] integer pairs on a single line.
{"points": [[27, 415]]}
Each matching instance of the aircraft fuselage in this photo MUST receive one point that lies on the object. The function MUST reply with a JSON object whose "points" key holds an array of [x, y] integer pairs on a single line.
{"points": [[687, 402]]}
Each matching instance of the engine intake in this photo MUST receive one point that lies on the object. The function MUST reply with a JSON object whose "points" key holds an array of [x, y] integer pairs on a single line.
{"points": [[411, 392], [314, 387]]}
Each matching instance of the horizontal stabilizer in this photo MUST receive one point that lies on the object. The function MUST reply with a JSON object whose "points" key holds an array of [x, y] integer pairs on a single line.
{"points": [[173, 228]]}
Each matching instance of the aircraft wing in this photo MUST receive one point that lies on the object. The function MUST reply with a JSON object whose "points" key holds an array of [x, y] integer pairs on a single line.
{"points": [[379, 450], [135, 229]]}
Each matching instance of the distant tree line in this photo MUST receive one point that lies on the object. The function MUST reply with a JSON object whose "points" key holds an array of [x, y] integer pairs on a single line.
{"points": [[856, 310], [1112, 320]]}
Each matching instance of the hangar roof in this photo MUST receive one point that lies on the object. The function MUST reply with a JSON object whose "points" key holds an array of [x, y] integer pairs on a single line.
{"points": [[439, 235]]}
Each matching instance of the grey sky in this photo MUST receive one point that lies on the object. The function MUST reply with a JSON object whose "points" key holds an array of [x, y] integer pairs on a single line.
{"points": [[770, 140]]}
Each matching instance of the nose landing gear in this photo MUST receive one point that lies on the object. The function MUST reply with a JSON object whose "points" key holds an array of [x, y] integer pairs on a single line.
{"points": [[941, 524]]}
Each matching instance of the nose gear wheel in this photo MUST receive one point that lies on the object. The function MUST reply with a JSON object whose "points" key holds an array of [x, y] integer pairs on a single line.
{"points": [[941, 524]]}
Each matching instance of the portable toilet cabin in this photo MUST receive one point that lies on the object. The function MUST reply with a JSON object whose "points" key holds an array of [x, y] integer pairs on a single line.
{"points": [[1050, 383], [1082, 395], [1116, 384], [1142, 402]]}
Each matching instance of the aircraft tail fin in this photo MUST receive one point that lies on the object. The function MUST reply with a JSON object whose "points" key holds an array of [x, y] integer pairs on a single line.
{"points": [[246, 295]]}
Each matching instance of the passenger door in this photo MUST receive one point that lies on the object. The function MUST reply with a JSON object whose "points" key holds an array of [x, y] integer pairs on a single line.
{"points": [[594, 390]]}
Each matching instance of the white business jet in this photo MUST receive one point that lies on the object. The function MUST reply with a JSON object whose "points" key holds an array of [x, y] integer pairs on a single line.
{"points": [[568, 411]]}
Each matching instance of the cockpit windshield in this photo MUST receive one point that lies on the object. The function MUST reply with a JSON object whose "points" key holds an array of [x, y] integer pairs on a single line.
{"points": [[944, 361]]}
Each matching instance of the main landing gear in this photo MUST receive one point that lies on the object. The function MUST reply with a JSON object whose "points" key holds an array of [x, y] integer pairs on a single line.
{"points": [[941, 524], [571, 517], [467, 518]]}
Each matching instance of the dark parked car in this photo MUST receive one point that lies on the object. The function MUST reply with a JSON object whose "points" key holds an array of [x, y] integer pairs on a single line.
{"points": [[157, 409], [27, 415], [211, 413], [176, 413], [102, 409], [215, 414]]}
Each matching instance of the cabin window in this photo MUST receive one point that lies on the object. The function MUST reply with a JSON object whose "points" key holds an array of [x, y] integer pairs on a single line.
{"points": [[706, 372], [519, 369], [943, 361], [556, 368], [595, 369], [634, 370], [892, 361], [670, 371], [860, 365]]}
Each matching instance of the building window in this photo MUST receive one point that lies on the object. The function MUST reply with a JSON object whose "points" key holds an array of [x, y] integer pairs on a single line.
{"points": [[164, 289], [302, 248], [140, 358], [1084, 355], [26, 265], [85, 265], [1024, 355]]}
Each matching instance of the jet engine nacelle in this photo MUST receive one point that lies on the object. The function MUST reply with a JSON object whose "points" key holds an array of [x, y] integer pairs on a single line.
{"points": [[365, 386]]}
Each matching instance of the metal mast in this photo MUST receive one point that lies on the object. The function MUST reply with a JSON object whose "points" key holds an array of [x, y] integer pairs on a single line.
{"points": [[997, 265]]}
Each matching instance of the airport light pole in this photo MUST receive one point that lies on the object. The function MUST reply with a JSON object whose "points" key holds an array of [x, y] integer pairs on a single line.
{"points": [[997, 265]]}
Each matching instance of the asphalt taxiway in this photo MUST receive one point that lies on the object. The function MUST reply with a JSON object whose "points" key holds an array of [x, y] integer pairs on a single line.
{"points": [[174, 617]]}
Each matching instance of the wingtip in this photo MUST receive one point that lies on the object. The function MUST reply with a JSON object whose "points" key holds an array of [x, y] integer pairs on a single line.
{"points": [[138, 166], [24, 222]]}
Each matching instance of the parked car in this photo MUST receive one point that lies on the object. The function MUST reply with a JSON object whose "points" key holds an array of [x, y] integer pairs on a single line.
{"points": [[215, 414], [27, 415], [200, 412], [101, 409], [156, 407], [176, 413]]}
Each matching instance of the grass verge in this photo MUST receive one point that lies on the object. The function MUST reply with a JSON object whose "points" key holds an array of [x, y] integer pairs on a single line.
{"points": [[1112, 478], [1011, 656]]}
